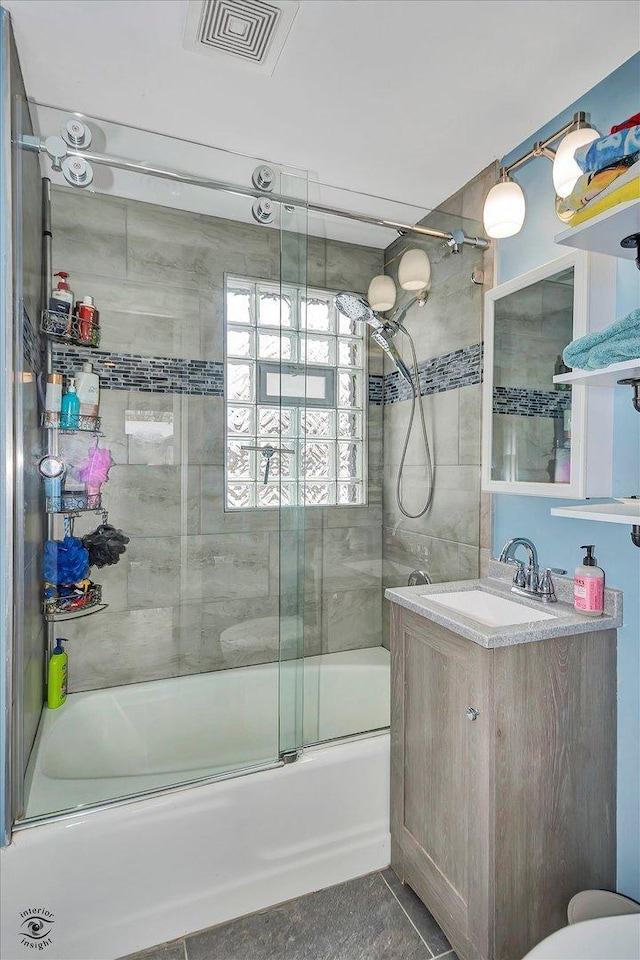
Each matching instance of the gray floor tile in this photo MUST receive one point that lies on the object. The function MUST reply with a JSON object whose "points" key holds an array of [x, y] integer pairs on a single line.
{"points": [[424, 922], [174, 951], [357, 920]]}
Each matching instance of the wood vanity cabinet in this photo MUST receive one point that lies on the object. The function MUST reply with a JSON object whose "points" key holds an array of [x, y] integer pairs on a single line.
{"points": [[499, 817]]}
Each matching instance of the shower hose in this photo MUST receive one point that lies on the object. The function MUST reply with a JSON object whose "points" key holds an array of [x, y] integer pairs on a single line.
{"points": [[416, 398]]}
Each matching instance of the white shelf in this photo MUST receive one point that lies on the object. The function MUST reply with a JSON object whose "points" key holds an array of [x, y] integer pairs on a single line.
{"points": [[605, 377], [602, 234], [618, 512]]}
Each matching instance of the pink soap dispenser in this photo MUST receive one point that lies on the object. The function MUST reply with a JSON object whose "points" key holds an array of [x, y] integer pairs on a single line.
{"points": [[588, 585]]}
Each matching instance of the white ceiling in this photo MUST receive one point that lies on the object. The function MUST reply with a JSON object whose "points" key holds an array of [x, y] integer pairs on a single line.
{"points": [[406, 99]]}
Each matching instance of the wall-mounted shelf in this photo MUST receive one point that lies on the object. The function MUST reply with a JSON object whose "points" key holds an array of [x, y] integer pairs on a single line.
{"points": [[85, 425], [74, 503], [75, 614], [605, 377], [72, 330], [621, 511], [602, 234]]}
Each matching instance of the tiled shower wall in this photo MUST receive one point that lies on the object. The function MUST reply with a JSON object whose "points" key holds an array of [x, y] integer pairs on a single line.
{"points": [[198, 588], [451, 541]]}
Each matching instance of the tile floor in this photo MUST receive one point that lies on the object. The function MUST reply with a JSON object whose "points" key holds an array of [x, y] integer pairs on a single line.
{"points": [[371, 918]]}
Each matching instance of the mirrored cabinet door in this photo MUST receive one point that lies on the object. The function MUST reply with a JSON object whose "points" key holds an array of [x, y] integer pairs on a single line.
{"points": [[535, 430]]}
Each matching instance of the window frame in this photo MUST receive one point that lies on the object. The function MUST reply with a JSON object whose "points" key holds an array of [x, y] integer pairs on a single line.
{"points": [[295, 437]]}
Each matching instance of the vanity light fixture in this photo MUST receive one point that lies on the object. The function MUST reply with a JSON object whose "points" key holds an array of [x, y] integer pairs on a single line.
{"points": [[382, 293], [414, 273], [504, 208]]}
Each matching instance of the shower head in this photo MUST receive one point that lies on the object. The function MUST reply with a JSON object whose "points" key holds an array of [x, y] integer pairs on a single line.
{"points": [[383, 339], [355, 308]]}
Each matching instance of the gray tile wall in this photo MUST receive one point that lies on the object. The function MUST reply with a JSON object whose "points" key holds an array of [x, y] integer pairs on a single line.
{"points": [[447, 541], [198, 588]]}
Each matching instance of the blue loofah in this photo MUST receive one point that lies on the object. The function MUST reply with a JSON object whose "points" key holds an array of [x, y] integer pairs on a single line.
{"points": [[66, 561]]}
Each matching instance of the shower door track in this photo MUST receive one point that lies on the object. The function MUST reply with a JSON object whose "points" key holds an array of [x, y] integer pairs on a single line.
{"points": [[178, 176]]}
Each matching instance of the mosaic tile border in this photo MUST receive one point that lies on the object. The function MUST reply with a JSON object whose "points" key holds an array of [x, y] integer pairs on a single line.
{"points": [[132, 371], [376, 389], [460, 368], [31, 344], [522, 402]]}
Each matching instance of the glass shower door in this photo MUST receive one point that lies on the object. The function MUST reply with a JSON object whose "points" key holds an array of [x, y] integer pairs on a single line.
{"points": [[196, 664]]}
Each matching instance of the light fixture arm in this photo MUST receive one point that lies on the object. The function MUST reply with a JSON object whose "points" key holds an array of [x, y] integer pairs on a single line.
{"points": [[542, 147]]}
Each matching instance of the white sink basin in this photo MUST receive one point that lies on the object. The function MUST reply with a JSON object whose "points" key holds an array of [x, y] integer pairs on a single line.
{"points": [[487, 608]]}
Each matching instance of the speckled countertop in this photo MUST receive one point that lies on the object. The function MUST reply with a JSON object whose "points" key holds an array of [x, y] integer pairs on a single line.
{"points": [[566, 621]]}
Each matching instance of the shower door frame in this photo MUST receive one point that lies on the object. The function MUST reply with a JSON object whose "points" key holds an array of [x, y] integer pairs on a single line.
{"points": [[9, 477]]}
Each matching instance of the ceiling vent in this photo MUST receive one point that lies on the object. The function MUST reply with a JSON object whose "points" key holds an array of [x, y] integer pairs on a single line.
{"points": [[253, 31]]}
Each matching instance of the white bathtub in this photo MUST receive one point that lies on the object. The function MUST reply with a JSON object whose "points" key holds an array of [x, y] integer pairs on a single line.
{"points": [[129, 740], [122, 878]]}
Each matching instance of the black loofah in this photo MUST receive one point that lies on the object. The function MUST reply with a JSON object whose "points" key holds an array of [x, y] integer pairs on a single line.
{"points": [[105, 545]]}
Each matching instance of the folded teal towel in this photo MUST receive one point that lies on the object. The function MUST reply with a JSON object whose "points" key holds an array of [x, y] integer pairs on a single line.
{"points": [[608, 150], [615, 343]]}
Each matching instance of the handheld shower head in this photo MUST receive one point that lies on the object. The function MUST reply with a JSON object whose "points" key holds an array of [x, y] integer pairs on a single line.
{"points": [[383, 339], [355, 308]]}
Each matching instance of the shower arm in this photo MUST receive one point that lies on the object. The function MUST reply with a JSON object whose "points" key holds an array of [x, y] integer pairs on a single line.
{"points": [[395, 322], [35, 144]]}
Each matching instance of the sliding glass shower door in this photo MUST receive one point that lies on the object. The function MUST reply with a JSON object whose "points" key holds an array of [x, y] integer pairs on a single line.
{"points": [[195, 666]]}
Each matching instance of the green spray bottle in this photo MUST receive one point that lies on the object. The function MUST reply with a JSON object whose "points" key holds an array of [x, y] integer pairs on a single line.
{"points": [[57, 676]]}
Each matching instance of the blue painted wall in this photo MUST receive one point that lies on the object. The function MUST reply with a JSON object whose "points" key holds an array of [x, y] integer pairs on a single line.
{"points": [[613, 100]]}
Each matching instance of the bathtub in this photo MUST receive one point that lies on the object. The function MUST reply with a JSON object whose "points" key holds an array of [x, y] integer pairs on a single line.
{"points": [[123, 877], [128, 740]]}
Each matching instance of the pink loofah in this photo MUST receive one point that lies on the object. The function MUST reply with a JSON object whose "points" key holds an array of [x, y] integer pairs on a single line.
{"points": [[95, 469]]}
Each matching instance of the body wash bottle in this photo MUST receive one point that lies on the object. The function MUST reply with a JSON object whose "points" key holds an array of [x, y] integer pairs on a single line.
{"points": [[70, 408], [588, 586], [57, 676], [88, 390]]}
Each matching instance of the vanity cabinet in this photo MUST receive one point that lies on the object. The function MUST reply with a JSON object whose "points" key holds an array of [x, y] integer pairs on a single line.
{"points": [[503, 766]]}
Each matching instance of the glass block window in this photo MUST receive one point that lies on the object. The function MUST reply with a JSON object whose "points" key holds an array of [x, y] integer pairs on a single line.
{"points": [[295, 395]]}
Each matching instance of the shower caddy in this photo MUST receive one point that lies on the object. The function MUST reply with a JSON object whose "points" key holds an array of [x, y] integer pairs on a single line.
{"points": [[69, 505]]}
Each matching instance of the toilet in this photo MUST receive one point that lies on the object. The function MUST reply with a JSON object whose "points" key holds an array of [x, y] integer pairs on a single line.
{"points": [[602, 926]]}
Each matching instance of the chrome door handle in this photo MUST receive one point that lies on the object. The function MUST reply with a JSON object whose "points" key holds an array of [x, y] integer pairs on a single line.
{"points": [[472, 713]]}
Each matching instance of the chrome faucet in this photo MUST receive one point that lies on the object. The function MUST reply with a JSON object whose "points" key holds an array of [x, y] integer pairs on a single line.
{"points": [[529, 583]]}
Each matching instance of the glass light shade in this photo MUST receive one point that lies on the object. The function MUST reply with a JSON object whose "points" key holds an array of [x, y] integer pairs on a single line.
{"points": [[414, 271], [503, 213], [565, 170], [381, 293]]}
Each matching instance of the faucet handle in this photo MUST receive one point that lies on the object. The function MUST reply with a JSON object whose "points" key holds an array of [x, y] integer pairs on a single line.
{"points": [[546, 588], [519, 577]]}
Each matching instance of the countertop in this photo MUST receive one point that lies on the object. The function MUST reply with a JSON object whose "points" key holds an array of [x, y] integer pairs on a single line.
{"points": [[566, 621]]}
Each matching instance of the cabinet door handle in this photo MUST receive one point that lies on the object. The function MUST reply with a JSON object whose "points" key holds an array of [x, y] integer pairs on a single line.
{"points": [[472, 713]]}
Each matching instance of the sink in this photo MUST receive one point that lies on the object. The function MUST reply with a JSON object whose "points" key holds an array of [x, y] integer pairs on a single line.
{"points": [[487, 608]]}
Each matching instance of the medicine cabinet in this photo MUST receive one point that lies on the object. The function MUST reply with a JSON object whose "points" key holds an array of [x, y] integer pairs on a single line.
{"points": [[539, 438]]}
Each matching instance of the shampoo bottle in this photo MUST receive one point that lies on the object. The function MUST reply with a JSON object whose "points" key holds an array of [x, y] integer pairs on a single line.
{"points": [[70, 408], [61, 300], [588, 586], [57, 676], [88, 390], [53, 399], [86, 319]]}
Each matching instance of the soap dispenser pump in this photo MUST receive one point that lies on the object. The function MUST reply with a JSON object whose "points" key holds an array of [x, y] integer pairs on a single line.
{"points": [[588, 585]]}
